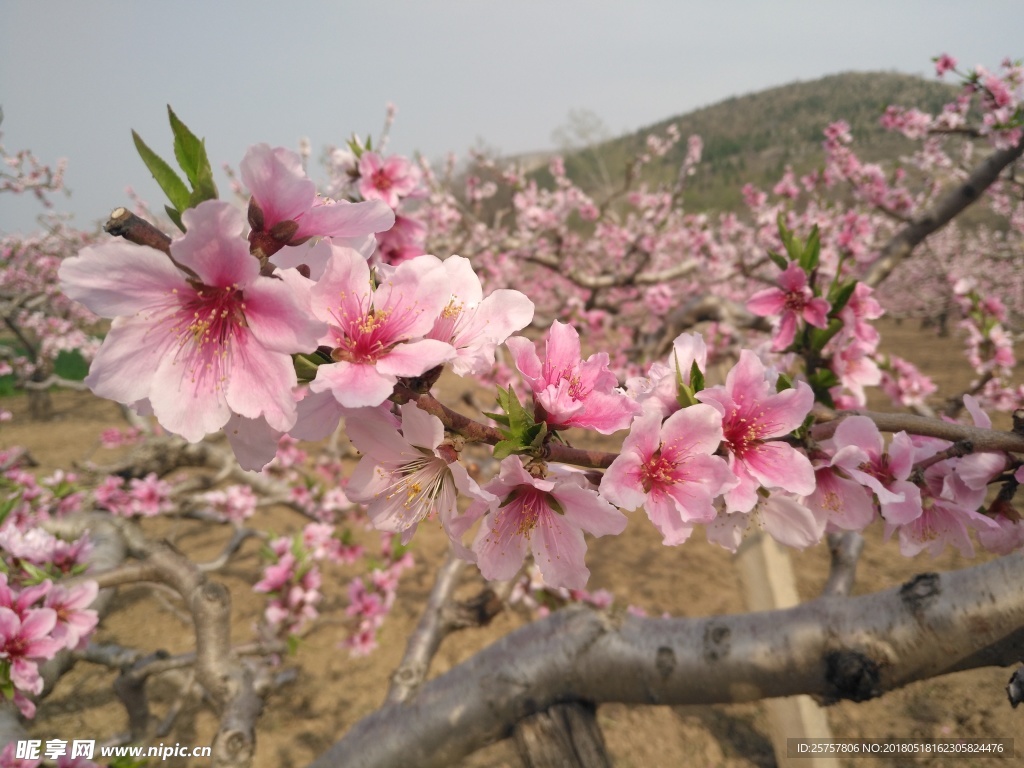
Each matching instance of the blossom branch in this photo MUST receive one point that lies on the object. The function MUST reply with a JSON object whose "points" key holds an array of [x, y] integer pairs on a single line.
{"points": [[477, 432], [853, 648], [981, 440], [945, 210], [135, 229]]}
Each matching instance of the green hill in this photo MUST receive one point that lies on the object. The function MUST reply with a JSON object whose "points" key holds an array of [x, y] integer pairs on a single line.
{"points": [[754, 137]]}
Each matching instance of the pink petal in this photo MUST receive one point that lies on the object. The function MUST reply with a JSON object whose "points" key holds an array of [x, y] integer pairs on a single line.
{"points": [[318, 415], [120, 278], [500, 550], [354, 385], [525, 359], [816, 312], [276, 179], [421, 428], [784, 412], [253, 441], [345, 219], [697, 429], [277, 311], [214, 248], [791, 523], [260, 383], [777, 465], [375, 435], [124, 368], [770, 301], [585, 509], [663, 512], [415, 357], [559, 550]]}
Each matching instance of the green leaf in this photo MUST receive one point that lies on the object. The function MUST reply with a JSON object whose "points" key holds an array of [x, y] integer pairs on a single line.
{"points": [[823, 378], [821, 381], [504, 448], [819, 337], [8, 504], [306, 365], [356, 147], [174, 216], [793, 247], [783, 383], [165, 176], [696, 378], [501, 418], [840, 295], [188, 149], [190, 153], [780, 261], [522, 433], [684, 392], [811, 252]]}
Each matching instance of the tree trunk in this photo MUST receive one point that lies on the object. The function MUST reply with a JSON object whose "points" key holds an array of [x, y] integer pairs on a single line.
{"points": [[562, 736]]}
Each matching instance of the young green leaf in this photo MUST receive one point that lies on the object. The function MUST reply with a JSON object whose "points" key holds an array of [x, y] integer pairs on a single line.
{"points": [[840, 296], [165, 176], [173, 215], [190, 153], [696, 378], [780, 261], [811, 252], [793, 247], [819, 337]]}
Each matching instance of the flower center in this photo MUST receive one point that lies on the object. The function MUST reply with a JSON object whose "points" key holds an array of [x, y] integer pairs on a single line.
{"points": [[658, 470], [382, 180], [741, 434]]}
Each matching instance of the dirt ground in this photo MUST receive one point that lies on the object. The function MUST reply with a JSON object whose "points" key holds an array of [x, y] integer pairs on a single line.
{"points": [[333, 690]]}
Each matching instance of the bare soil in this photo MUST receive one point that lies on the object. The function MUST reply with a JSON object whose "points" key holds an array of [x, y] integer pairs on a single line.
{"points": [[333, 690]]}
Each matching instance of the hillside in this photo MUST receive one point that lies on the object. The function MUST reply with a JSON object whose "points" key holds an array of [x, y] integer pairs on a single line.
{"points": [[753, 137]]}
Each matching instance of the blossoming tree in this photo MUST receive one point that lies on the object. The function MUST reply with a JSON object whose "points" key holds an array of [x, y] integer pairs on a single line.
{"points": [[312, 313]]}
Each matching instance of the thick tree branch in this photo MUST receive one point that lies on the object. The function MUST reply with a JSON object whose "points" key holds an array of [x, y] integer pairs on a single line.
{"points": [[228, 680], [431, 630], [442, 616], [837, 648], [944, 211]]}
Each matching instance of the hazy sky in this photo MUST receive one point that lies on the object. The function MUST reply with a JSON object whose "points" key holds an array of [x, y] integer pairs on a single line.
{"points": [[76, 76]]}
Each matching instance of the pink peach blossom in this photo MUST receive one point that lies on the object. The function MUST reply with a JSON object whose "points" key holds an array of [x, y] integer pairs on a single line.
{"points": [[282, 193], [793, 300], [669, 469], [198, 345], [573, 392], [752, 413], [377, 334], [544, 516]]}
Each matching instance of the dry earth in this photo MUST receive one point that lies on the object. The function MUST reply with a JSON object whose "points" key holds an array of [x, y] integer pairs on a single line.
{"points": [[334, 690]]}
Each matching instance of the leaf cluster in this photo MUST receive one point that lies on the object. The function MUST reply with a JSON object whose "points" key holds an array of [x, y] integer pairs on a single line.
{"points": [[190, 153], [523, 434]]}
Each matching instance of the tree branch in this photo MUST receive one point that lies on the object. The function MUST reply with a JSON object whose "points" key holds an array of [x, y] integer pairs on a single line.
{"points": [[981, 440], [134, 229], [902, 244], [834, 647]]}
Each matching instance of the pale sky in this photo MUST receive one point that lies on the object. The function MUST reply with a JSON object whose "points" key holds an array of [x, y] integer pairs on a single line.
{"points": [[75, 77]]}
